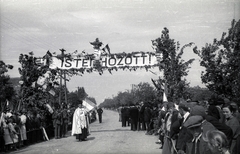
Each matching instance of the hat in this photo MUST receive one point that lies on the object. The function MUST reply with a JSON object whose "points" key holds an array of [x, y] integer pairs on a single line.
{"points": [[198, 110], [193, 121], [80, 102], [183, 106], [213, 111]]}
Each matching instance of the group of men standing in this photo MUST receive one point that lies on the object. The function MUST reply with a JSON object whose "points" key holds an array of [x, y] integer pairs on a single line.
{"points": [[60, 122], [139, 117]]}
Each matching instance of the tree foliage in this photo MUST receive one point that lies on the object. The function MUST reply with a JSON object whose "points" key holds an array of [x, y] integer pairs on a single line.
{"points": [[221, 60], [6, 88], [173, 66], [81, 93], [36, 82], [142, 92], [199, 94]]}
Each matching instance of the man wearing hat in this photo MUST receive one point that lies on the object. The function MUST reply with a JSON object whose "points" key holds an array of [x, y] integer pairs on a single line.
{"points": [[198, 128], [178, 131]]}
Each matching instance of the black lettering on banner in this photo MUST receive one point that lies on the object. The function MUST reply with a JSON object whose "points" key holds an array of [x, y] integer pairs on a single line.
{"points": [[144, 56], [62, 63], [90, 62], [120, 60], [77, 62], [68, 63], [114, 60], [130, 62], [149, 58], [136, 59], [104, 62], [84, 61]]}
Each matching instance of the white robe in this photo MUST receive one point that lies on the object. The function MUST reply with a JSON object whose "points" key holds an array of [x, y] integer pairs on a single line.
{"points": [[80, 120]]}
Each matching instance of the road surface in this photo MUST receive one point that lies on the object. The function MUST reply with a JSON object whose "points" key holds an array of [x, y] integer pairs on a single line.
{"points": [[106, 137]]}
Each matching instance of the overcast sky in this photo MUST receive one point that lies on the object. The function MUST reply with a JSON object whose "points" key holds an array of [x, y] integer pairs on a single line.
{"points": [[126, 25]]}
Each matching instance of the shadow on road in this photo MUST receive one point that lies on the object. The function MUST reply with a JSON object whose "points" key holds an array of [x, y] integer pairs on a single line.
{"points": [[90, 138], [111, 130]]}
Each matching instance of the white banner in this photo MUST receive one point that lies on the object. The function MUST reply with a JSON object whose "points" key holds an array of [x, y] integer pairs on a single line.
{"points": [[108, 61]]}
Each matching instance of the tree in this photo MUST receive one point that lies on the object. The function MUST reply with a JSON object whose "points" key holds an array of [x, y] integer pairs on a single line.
{"points": [[221, 60], [199, 94], [81, 93], [73, 99], [6, 89], [173, 66], [144, 92], [37, 82]]}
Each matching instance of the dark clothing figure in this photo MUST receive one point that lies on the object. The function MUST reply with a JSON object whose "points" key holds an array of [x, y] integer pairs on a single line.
{"points": [[83, 135], [37, 132], [213, 118], [133, 112], [56, 123], [142, 125], [29, 130], [147, 117], [93, 116], [128, 116], [124, 116], [161, 117], [64, 122], [100, 111]]}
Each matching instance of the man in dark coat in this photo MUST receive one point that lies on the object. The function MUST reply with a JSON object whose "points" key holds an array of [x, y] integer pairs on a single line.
{"points": [[100, 111], [142, 125], [134, 117], [178, 131], [147, 117], [29, 128], [57, 123], [64, 122], [198, 128]]}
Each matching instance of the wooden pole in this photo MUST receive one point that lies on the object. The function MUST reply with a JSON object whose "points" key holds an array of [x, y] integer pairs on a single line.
{"points": [[65, 89], [60, 91]]}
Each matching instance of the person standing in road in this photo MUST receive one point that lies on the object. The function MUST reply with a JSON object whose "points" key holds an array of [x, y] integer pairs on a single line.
{"points": [[100, 111], [80, 124], [133, 112], [64, 121], [57, 123]]}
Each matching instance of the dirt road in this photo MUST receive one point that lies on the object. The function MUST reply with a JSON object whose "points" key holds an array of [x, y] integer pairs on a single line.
{"points": [[106, 137]]}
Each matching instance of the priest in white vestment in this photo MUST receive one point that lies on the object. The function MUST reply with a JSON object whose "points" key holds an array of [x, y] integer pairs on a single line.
{"points": [[80, 124]]}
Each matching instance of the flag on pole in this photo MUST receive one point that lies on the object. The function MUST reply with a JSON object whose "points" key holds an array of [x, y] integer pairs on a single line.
{"points": [[106, 50], [164, 97], [165, 91], [88, 104]]}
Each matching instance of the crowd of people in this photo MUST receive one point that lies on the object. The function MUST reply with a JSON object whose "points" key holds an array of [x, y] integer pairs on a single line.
{"points": [[191, 127], [22, 128]]}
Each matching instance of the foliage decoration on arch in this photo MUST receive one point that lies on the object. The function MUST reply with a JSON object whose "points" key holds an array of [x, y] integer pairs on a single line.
{"points": [[101, 60]]}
